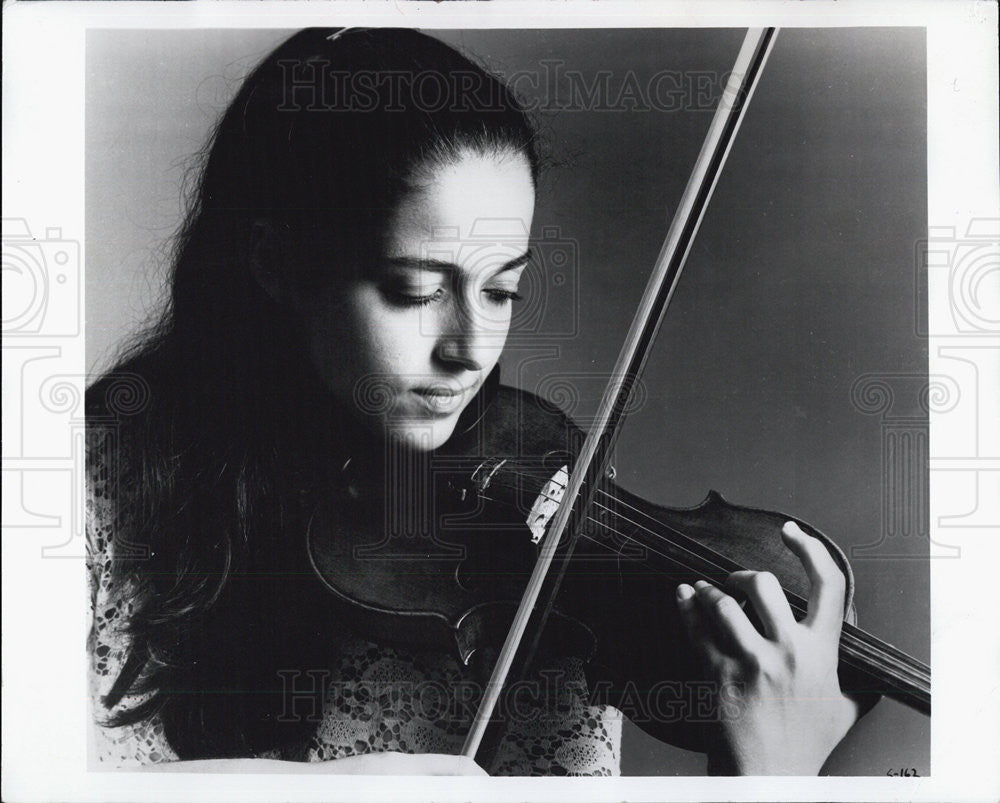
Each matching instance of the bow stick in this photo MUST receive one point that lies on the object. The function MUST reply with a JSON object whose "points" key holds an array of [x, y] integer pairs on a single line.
{"points": [[595, 453]]}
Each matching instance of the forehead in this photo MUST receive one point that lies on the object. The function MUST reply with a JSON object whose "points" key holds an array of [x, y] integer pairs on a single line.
{"points": [[477, 197]]}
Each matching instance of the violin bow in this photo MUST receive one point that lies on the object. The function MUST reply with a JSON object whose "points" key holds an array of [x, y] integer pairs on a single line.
{"points": [[595, 454]]}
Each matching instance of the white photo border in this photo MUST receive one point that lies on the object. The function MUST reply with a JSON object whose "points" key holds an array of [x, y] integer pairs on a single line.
{"points": [[45, 712]]}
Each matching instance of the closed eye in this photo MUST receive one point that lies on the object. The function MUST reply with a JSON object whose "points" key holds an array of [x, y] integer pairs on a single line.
{"points": [[408, 300], [498, 296]]}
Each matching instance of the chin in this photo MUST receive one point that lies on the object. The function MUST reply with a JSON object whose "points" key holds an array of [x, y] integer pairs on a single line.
{"points": [[422, 435]]}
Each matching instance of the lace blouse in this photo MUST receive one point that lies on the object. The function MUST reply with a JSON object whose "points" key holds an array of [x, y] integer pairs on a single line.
{"points": [[375, 697]]}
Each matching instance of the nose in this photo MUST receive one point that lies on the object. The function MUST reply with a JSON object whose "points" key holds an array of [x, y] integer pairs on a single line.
{"points": [[458, 351], [461, 344]]}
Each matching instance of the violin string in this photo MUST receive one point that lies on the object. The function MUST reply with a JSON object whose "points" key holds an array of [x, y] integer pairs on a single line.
{"points": [[719, 569], [794, 603], [871, 640], [562, 486], [848, 636], [507, 503], [909, 672], [712, 557], [682, 565], [854, 640], [859, 648]]}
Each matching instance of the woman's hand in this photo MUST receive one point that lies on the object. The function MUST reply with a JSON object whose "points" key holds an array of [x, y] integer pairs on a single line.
{"points": [[368, 764], [781, 708]]}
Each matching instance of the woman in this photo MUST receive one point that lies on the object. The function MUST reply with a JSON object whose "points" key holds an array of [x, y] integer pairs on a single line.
{"points": [[321, 258]]}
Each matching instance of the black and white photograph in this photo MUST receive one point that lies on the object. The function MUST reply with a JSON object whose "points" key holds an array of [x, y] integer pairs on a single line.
{"points": [[452, 394]]}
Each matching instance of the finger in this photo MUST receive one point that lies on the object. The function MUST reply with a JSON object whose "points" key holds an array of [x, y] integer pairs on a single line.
{"points": [[685, 596], [764, 592], [698, 632], [726, 615], [826, 597]]}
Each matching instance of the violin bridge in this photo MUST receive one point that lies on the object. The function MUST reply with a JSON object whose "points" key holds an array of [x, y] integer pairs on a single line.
{"points": [[547, 504]]}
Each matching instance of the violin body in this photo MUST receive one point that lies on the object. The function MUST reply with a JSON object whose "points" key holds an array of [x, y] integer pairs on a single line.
{"points": [[423, 555], [435, 552]]}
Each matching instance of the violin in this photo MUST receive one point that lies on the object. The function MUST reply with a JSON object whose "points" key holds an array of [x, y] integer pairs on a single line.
{"points": [[462, 549], [476, 508]]}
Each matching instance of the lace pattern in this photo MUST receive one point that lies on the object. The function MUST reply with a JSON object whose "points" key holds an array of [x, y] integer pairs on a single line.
{"points": [[375, 698]]}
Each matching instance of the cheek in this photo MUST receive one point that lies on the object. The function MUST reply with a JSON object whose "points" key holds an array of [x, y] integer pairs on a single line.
{"points": [[336, 335], [332, 363], [496, 328], [397, 343], [360, 338], [495, 346]]}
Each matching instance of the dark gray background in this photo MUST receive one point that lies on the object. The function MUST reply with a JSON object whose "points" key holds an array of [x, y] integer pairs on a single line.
{"points": [[802, 280]]}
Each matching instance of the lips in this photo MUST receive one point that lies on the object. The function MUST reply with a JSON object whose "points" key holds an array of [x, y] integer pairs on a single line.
{"points": [[442, 399]]}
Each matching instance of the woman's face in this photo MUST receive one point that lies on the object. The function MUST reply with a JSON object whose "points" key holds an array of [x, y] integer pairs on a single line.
{"points": [[411, 342]]}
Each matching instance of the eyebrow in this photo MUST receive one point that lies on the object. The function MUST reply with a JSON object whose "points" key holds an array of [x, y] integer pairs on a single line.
{"points": [[441, 266]]}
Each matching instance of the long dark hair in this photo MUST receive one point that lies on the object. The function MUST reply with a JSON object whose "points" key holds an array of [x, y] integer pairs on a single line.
{"points": [[323, 139]]}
